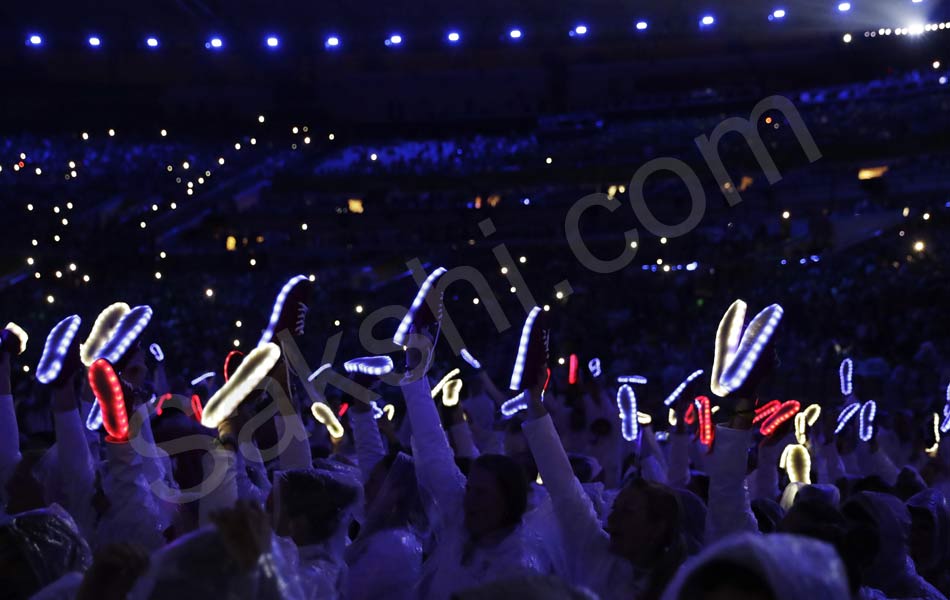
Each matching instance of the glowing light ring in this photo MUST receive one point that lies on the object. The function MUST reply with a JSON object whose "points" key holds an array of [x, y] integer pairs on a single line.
{"points": [[390, 411], [126, 333], [20, 334], [324, 415], [245, 379], [679, 389], [319, 370], [202, 377], [845, 375], [593, 365], [369, 365], [846, 414], [94, 418], [866, 420], [58, 343], [572, 367], [471, 360], [227, 363], [704, 415], [278, 308], [727, 341], [403, 330], [157, 352], [377, 411], [627, 404], [450, 392], [632, 379], [797, 463], [518, 371], [448, 377], [805, 419], [515, 405], [106, 386], [932, 451], [102, 331], [754, 340], [787, 410]]}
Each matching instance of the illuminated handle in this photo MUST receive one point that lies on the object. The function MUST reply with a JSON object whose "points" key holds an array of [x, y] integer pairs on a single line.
{"points": [[106, 386]]}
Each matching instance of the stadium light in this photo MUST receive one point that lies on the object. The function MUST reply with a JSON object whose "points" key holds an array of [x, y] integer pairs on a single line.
{"points": [[515, 34], [272, 41], [453, 37], [152, 42], [778, 13], [642, 25], [332, 42], [707, 20], [34, 40], [844, 7], [94, 41]]}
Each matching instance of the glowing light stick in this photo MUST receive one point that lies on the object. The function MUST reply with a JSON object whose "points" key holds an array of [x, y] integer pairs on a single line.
{"points": [[370, 365], [753, 342], [672, 418], [102, 331], [390, 411], [594, 367], [845, 374], [797, 463], [377, 411], [108, 390], [778, 414], [450, 393], [689, 417], [764, 411], [945, 423], [319, 370], [448, 377], [932, 451], [126, 333], [344, 406], [572, 365], [866, 420], [681, 387], [58, 343], [20, 334], [518, 371], [514, 405], [632, 379], [471, 360], [160, 406], [94, 418], [704, 414], [157, 352], [403, 330], [324, 414], [644, 418], [805, 419], [196, 408], [627, 403], [202, 377], [727, 342], [227, 363], [662, 436], [245, 380], [846, 414], [278, 308]]}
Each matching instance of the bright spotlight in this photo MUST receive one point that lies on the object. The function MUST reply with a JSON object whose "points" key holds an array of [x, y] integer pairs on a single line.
{"points": [[152, 42], [453, 37], [94, 41], [332, 42], [34, 40], [707, 20], [642, 25], [215, 43], [515, 34], [844, 7], [272, 41]]}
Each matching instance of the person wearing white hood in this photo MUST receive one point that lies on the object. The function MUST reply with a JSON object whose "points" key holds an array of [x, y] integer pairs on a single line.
{"points": [[750, 566]]}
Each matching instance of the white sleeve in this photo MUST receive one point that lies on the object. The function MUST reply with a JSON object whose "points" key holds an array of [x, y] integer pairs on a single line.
{"points": [[252, 481], [763, 482], [75, 465], [370, 449], [9, 441], [436, 470], [464, 442], [729, 507], [573, 509], [132, 513], [678, 471], [297, 453], [223, 495]]}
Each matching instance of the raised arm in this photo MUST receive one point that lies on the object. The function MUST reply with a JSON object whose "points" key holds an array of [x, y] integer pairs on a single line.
{"points": [[730, 510], [9, 432]]}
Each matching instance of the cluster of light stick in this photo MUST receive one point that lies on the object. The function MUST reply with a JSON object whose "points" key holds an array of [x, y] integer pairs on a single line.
{"points": [[20, 334], [58, 343], [278, 307], [518, 370], [245, 379], [774, 414], [107, 388], [737, 351], [403, 330]]}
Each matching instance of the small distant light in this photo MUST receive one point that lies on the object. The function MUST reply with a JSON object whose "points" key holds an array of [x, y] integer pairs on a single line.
{"points": [[95, 42], [580, 30], [158, 275], [936, 64], [919, 246], [30, 261], [707, 20], [666, 268], [73, 174], [786, 214], [844, 7], [237, 145], [453, 37], [152, 42], [253, 262], [523, 259], [209, 292], [548, 160], [215, 43], [56, 238], [260, 118], [359, 309], [306, 140], [560, 361], [943, 80], [336, 323], [72, 267], [394, 40], [634, 245], [29, 207], [272, 41], [642, 25], [37, 275], [35, 243], [547, 308], [85, 136], [475, 300], [303, 227], [26, 368], [85, 278], [373, 156], [846, 38], [50, 299], [515, 34], [35, 40], [38, 171], [142, 225], [330, 137], [526, 201], [504, 270], [332, 42], [173, 205], [926, 216], [65, 222], [559, 295], [253, 141], [237, 343], [663, 240], [513, 289]]}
